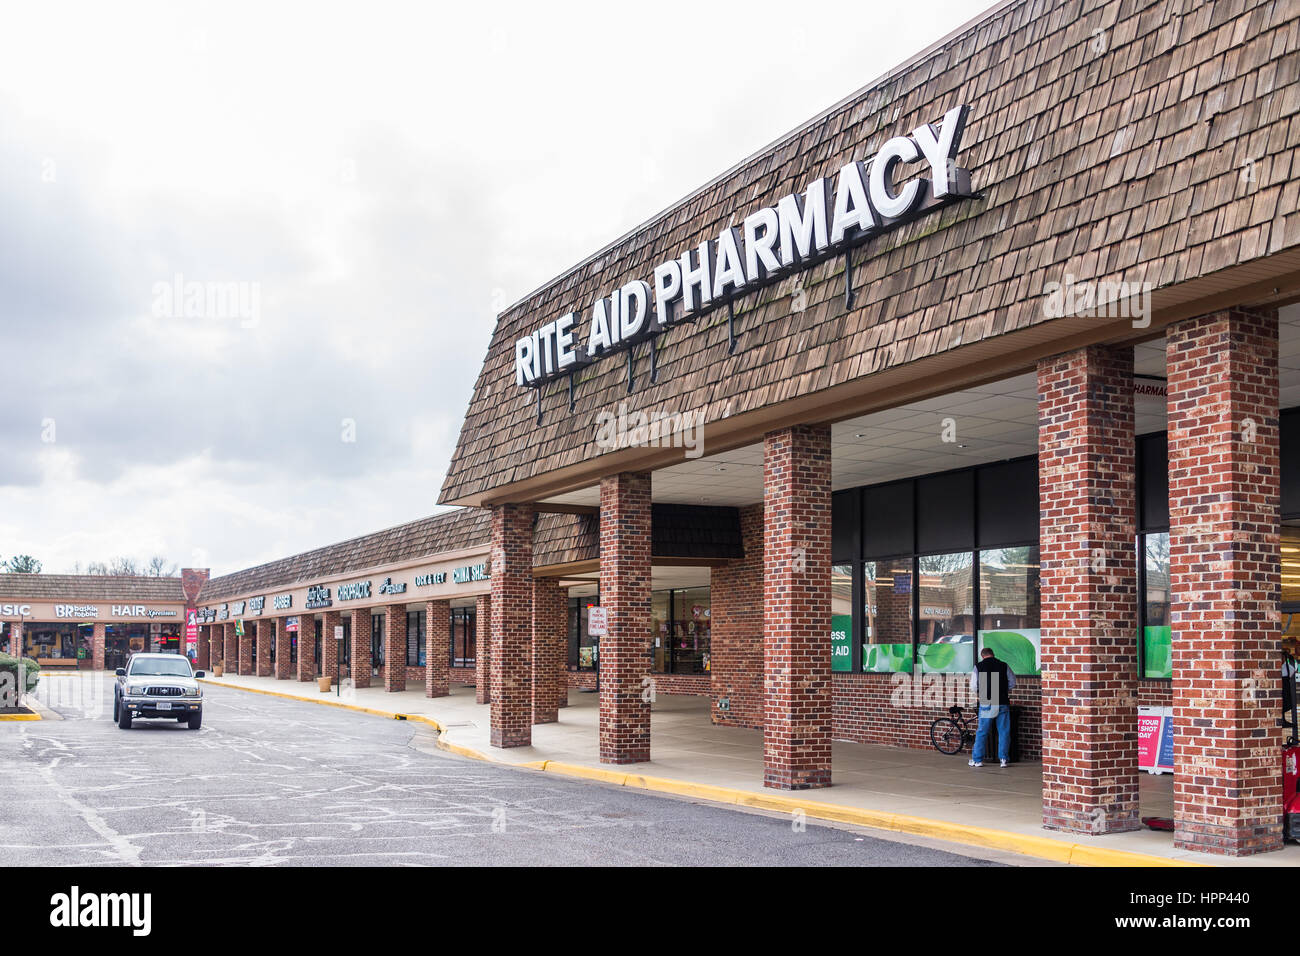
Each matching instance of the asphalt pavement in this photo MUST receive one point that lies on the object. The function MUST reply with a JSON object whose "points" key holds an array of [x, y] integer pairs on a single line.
{"points": [[274, 782]]}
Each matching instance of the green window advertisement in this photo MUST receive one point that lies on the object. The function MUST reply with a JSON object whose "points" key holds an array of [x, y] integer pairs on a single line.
{"points": [[842, 642], [1157, 651]]}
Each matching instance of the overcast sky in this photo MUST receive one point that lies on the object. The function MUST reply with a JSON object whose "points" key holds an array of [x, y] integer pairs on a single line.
{"points": [[382, 179]]}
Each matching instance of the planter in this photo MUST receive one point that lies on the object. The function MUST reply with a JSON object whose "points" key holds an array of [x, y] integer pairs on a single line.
{"points": [[324, 684], [217, 671]]}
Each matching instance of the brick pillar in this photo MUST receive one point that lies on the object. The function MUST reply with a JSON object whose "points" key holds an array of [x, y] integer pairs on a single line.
{"points": [[329, 648], [625, 594], [97, 647], [511, 664], [265, 635], [284, 669], [395, 648], [483, 649], [797, 607], [1224, 574], [230, 655], [550, 615], [736, 646], [202, 661], [360, 632], [247, 666], [1088, 519], [307, 647], [437, 648], [216, 640]]}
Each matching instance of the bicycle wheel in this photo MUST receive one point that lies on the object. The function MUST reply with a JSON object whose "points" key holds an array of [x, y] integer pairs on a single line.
{"points": [[946, 736]]}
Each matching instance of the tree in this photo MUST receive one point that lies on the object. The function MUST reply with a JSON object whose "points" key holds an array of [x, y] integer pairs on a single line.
{"points": [[123, 565], [23, 564], [158, 567]]}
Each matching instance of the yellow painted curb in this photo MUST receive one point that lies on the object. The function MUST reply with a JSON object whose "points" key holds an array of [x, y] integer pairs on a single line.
{"points": [[20, 716], [1039, 847]]}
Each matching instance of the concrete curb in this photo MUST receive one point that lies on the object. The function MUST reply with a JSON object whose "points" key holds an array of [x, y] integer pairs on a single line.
{"points": [[1039, 847]]}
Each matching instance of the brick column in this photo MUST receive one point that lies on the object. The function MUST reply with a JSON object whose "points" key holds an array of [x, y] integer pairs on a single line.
{"points": [[230, 655], [97, 646], [797, 607], [437, 648], [550, 615], [307, 647], [216, 641], [360, 632], [247, 666], [625, 594], [329, 648], [265, 635], [394, 648], [202, 661], [284, 669], [736, 647], [511, 664], [483, 649], [1087, 495], [1224, 575]]}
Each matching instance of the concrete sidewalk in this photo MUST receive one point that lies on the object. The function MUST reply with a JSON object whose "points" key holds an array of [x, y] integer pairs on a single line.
{"points": [[912, 791]]}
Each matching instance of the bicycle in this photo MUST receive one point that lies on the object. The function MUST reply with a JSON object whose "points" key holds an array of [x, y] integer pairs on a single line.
{"points": [[950, 734]]}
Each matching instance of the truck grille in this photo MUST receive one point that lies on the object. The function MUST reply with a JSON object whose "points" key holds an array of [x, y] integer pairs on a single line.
{"points": [[162, 692]]}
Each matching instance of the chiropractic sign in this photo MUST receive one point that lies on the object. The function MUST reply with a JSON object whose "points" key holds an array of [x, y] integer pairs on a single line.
{"points": [[802, 229]]}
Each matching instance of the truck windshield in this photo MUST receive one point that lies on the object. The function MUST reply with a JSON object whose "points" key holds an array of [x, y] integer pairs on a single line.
{"points": [[160, 667]]}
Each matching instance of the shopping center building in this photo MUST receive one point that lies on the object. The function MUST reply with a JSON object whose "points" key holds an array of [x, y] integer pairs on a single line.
{"points": [[1002, 351], [997, 352]]}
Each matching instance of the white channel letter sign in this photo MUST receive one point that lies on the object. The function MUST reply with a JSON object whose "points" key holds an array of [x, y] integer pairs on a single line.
{"points": [[831, 215], [21, 610]]}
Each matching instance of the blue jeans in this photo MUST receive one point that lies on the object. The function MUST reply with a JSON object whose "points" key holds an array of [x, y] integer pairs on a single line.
{"points": [[1002, 714]]}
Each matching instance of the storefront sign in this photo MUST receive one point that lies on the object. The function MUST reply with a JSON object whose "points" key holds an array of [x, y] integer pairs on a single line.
{"points": [[207, 615], [425, 580], [255, 605], [237, 608], [841, 642], [22, 610], [318, 597], [1156, 739], [828, 218], [191, 634], [283, 602], [76, 610], [223, 613], [388, 587], [474, 572], [291, 624], [354, 591]]}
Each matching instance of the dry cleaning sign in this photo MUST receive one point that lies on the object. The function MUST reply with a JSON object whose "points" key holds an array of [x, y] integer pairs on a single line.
{"points": [[830, 216]]}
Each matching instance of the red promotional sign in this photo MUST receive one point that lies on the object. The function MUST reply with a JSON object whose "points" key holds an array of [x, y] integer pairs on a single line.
{"points": [[192, 633]]}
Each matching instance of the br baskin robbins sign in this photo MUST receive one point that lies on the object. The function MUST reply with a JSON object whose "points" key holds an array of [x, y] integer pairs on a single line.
{"points": [[831, 216]]}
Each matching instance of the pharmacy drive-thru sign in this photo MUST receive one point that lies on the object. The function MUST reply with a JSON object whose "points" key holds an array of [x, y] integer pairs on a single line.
{"points": [[827, 218]]}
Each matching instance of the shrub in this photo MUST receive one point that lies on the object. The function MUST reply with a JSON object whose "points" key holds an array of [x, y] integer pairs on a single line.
{"points": [[9, 665]]}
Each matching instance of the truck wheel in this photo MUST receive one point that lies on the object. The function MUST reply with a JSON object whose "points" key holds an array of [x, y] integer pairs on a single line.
{"points": [[124, 718], [115, 709], [196, 720]]}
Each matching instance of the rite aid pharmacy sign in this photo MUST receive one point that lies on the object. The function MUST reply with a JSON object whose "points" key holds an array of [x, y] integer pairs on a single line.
{"points": [[830, 216]]}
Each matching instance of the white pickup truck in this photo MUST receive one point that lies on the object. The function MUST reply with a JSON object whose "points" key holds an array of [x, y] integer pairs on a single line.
{"points": [[161, 686]]}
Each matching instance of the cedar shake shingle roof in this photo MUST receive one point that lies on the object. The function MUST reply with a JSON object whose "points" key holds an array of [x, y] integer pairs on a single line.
{"points": [[102, 588], [1124, 164], [450, 531]]}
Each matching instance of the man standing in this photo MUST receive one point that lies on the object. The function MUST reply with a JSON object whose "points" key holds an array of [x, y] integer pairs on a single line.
{"points": [[992, 681]]}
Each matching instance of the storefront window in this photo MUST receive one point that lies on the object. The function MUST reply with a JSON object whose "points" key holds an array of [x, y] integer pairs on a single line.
{"points": [[55, 640], [887, 643], [582, 646], [842, 617], [681, 624], [415, 638], [463, 637], [1157, 635], [945, 632], [1009, 607], [1291, 590]]}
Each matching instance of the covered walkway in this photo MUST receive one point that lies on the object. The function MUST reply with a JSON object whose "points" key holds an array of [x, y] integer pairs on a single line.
{"points": [[691, 750]]}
